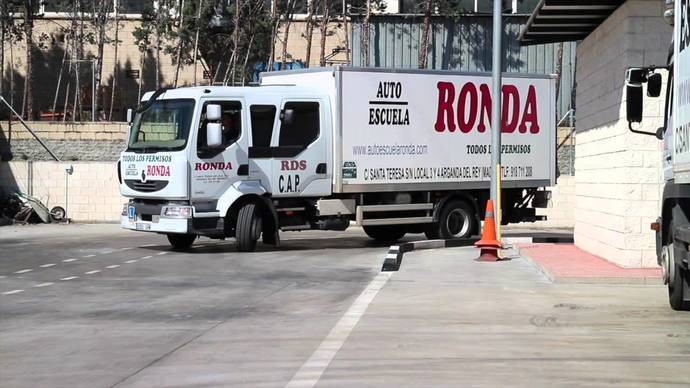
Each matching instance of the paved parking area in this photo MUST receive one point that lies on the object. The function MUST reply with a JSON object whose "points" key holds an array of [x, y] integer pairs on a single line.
{"points": [[95, 306]]}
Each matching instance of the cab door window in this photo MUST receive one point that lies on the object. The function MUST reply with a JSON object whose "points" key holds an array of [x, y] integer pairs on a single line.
{"points": [[231, 124], [299, 127]]}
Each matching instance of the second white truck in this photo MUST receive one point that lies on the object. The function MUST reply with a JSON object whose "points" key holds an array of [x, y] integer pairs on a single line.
{"points": [[394, 151]]}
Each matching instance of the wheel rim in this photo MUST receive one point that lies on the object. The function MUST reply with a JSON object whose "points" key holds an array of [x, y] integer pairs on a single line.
{"points": [[458, 222]]}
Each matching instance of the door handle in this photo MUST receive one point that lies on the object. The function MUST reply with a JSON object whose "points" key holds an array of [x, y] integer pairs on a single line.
{"points": [[243, 170], [321, 168]]}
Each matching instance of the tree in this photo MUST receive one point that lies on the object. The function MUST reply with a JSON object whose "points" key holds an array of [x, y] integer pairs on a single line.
{"points": [[323, 28], [10, 32], [309, 29], [28, 104]]}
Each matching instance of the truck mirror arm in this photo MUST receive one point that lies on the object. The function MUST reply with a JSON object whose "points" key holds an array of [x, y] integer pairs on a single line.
{"points": [[659, 133]]}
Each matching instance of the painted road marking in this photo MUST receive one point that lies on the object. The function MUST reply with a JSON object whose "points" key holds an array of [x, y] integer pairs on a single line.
{"points": [[113, 266], [310, 373], [131, 261], [162, 253], [87, 256], [47, 265], [12, 292], [92, 272], [46, 284], [146, 257], [125, 249], [24, 270], [69, 278], [68, 260]]}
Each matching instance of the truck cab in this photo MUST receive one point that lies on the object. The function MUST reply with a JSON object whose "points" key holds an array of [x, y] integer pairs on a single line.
{"points": [[194, 153], [673, 225]]}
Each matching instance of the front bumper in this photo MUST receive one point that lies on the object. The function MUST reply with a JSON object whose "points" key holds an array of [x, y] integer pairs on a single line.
{"points": [[158, 225]]}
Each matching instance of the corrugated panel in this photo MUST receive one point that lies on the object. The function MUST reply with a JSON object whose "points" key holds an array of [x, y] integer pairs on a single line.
{"points": [[462, 44]]}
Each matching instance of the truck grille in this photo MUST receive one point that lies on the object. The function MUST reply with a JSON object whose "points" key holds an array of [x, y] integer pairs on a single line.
{"points": [[145, 187]]}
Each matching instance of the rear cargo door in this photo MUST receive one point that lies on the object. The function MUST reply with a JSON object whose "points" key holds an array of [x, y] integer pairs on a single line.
{"points": [[299, 156]]}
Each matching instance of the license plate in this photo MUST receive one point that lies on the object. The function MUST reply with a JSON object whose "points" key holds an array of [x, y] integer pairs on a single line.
{"points": [[132, 213], [142, 226]]}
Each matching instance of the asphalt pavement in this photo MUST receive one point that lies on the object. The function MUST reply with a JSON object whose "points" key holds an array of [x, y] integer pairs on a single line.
{"points": [[96, 306]]}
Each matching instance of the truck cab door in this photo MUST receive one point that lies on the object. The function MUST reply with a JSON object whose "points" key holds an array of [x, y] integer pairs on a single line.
{"points": [[215, 169], [300, 157]]}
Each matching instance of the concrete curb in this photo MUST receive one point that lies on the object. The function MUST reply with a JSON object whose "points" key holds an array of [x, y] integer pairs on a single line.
{"points": [[395, 253]]}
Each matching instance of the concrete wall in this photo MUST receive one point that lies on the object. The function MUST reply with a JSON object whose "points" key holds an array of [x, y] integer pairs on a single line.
{"points": [[618, 172], [93, 194]]}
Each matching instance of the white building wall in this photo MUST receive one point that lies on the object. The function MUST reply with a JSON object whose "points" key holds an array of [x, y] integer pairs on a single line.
{"points": [[618, 176]]}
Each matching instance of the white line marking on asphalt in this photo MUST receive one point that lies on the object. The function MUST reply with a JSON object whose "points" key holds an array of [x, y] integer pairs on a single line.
{"points": [[12, 292], [46, 284], [146, 257], [310, 372], [162, 253], [87, 256], [125, 249], [24, 270], [68, 260], [47, 265], [113, 266], [69, 278], [92, 272], [131, 261], [147, 245]]}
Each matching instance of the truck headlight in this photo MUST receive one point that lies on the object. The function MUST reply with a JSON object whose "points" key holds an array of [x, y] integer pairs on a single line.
{"points": [[177, 211]]}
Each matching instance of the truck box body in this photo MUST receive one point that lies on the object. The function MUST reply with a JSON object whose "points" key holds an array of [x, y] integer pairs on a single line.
{"points": [[430, 130], [680, 118]]}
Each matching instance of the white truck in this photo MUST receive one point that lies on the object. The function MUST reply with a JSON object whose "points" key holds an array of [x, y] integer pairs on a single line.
{"points": [[673, 226], [396, 151]]}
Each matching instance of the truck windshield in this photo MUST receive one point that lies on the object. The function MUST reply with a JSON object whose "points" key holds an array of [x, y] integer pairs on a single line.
{"points": [[162, 126]]}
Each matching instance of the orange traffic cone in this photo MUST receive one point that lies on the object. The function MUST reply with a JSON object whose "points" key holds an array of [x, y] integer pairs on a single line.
{"points": [[488, 244]]}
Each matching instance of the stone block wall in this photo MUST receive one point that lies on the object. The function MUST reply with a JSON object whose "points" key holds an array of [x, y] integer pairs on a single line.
{"points": [[618, 178], [99, 141], [93, 190], [561, 210]]}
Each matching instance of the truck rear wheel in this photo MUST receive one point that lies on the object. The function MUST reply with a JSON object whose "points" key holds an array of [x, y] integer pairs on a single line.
{"points": [[457, 220], [678, 278], [248, 228], [384, 232], [181, 241]]}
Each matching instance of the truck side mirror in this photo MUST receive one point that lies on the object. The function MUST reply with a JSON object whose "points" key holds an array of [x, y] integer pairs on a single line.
{"points": [[214, 135], [130, 115], [654, 85], [287, 116], [633, 104], [213, 112]]}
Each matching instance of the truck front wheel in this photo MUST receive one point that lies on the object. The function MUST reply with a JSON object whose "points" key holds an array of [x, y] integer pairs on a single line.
{"points": [[678, 278], [384, 232], [248, 228], [181, 241]]}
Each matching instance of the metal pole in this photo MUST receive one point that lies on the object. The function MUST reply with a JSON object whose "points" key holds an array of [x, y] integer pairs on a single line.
{"points": [[2, 99], [93, 90], [496, 116]]}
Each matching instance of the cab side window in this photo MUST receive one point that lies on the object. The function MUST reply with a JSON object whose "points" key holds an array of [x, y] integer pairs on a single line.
{"points": [[263, 117], [231, 123], [302, 128]]}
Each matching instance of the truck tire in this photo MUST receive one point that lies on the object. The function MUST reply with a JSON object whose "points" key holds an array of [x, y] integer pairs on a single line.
{"points": [[386, 233], [248, 228], [457, 220], [181, 241], [678, 278]]}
